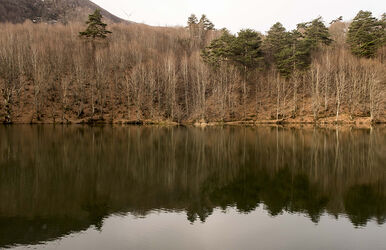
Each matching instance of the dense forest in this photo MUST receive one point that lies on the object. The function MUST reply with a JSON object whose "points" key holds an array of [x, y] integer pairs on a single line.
{"points": [[134, 73]]}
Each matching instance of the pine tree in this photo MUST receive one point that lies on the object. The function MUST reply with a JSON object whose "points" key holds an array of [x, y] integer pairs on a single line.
{"points": [[192, 20], [316, 34], [246, 52], [246, 49], [199, 30], [277, 48], [276, 39], [193, 26], [288, 50], [206, 23], [96, 28], [301, 51], [383, 34], [365, 35], [219, 49]]}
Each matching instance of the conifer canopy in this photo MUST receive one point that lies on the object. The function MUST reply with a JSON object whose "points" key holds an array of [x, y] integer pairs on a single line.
{"points": [[96, 28], [366, 34]]}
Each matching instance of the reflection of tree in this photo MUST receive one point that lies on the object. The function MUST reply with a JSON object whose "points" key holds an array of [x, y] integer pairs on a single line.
{"points": [[97, 210], [281, 192], [30, 231], [364, 202], [80, 175], [244, 193]]}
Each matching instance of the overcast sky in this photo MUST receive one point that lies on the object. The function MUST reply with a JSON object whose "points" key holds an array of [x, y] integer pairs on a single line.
{"points": [[238, 14]]}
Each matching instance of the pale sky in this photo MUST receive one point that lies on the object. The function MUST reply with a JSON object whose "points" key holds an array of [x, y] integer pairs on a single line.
{"points": [[239, 14]]}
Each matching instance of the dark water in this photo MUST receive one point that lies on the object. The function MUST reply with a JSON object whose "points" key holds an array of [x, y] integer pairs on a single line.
{"points": [[188, 188]]}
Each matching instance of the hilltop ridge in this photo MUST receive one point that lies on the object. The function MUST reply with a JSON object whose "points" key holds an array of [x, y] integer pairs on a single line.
{"points": [[51, 11]]}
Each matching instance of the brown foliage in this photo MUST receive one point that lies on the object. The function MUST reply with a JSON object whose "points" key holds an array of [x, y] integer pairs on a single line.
{"points": [[49, 74]]}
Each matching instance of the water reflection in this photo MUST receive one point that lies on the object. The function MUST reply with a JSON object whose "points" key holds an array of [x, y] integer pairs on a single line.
{"points": [[58, 180]]}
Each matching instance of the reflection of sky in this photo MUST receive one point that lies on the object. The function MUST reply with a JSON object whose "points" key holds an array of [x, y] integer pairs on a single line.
{"points": [[230, 230], [234, 15]]}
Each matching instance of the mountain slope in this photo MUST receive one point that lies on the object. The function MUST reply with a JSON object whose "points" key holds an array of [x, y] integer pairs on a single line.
{"points": [[51, 11]]}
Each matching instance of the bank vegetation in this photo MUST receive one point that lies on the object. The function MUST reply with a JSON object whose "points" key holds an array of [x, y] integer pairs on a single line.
{"points": [[194, 74]]}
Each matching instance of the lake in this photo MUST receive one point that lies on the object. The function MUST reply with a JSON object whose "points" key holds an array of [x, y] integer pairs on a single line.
{"points": [[129, 187]]}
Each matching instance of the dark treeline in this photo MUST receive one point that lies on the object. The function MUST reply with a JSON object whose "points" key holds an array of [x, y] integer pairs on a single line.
{"points": [[48, 73], [70, 178]]}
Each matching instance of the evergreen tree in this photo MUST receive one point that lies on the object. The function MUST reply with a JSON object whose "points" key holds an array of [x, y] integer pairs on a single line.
{"points": [[96, 28], [276, 40], [383, 34], [206, 23], [365, 35], [193, 26], [199, 29], [301, 51], [192, 20], [277, 47], [295, 55], [316, 34], [288, 50], [219, 49], [246, 49]]}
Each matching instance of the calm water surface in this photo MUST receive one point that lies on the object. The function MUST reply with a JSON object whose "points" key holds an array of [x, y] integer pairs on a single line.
{"points": [[187, 188]]}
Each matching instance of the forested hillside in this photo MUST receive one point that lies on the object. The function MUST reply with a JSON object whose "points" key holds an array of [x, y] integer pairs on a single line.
{"points": [[316, 73], [51, 11]]}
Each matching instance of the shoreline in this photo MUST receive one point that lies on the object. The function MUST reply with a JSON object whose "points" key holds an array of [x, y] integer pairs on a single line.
{"points": [[365, 122]]}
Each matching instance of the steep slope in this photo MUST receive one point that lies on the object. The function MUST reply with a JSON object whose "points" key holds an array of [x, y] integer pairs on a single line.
{"points": [[51, 11]]}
